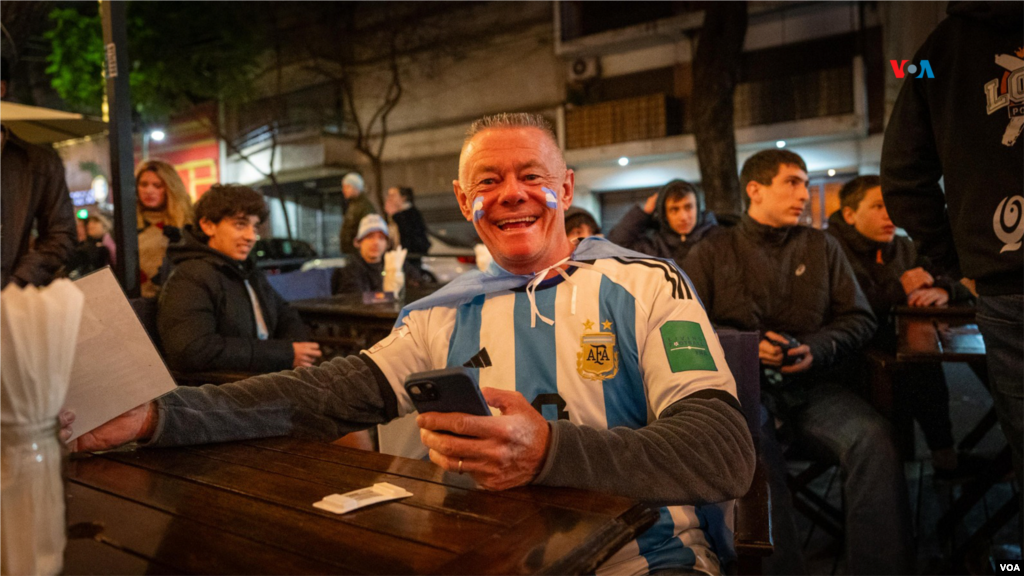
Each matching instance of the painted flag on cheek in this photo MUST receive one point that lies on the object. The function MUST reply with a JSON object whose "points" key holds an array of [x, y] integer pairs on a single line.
{"points": [[478, 208], [550, 198]]}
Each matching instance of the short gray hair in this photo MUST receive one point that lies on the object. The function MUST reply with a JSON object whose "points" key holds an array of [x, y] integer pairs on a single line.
{"points": [[512, 120]]}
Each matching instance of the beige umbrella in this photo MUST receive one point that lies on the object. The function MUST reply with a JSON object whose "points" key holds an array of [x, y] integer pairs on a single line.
{"points": [[44, 126]]}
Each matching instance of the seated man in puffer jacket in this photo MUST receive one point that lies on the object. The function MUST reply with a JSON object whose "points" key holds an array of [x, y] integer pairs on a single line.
{"points": [[217, 311]]}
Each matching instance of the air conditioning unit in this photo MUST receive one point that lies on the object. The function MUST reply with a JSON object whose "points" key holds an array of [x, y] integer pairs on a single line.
{"points": [[583, 69]]}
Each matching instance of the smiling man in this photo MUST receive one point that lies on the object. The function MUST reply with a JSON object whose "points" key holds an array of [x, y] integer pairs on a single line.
{"points": [[781, 279], [217, 311], [602, 362]]}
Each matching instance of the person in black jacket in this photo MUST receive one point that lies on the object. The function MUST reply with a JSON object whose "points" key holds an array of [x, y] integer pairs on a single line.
{"points": [[964, 127], [670, 223], [365, 271], [412, 229], [793, 285], [891, 273], [217, 311]]}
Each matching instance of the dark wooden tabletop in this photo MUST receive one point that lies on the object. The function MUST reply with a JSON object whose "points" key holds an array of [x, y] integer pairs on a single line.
{"points": [[246, 508], [347, 305], [930, 334], [352, 305]]}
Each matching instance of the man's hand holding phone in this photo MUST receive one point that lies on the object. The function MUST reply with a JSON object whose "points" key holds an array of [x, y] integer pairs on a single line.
{"points": [[498, 452]]}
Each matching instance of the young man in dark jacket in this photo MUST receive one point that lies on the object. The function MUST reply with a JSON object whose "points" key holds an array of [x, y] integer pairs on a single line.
{"points": [[964, 126], [217, 311], [891, 273], [670, 223], [793, 285]]}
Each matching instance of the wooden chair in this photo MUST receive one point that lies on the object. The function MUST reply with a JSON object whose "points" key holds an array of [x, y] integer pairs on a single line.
{"points": [[752, 535]]}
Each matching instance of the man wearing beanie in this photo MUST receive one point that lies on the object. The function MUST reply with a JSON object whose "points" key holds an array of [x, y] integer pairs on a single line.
{"points": [[358, 206], [365, 271]]}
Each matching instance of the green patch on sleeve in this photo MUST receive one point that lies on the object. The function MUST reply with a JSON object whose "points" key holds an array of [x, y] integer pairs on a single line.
{"points": [[686, 347]]}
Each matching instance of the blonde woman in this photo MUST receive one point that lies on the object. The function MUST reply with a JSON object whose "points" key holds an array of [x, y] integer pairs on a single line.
{"points": [[163, 208]]}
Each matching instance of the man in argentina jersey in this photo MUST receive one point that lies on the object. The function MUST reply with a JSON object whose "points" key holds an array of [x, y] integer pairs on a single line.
{"points": [[614, 342], [638, 342], [602, 362]]}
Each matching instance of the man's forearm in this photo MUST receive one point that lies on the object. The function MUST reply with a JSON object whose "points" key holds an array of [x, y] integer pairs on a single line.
{"points": [[699, 451], [323, 402]]}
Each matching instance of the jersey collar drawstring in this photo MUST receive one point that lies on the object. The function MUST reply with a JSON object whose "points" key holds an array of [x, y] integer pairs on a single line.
{"points": [[531, 288]]}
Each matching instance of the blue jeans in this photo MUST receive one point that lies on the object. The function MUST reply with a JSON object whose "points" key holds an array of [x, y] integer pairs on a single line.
{"points": [[840, 427], [1001, 321]]}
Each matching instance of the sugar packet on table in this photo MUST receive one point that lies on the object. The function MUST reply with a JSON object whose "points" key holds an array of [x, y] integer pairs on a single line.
{"points": [[379, 492]]}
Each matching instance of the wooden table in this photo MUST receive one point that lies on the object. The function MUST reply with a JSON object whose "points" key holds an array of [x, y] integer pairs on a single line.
{"points": [[346, 324], [246, 508], [951, 335], [934, 334]]}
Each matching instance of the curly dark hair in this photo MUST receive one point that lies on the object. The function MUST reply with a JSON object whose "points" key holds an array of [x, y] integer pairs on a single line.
{"points": [[227, 200]]}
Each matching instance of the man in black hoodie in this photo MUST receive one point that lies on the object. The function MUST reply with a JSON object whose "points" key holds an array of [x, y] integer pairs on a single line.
{"points": [[668, 225], [964, 127], [792, 284], [217, 311]]}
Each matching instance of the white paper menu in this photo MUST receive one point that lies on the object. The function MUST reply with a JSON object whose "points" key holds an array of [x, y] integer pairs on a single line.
{"points": [[116, 367]]}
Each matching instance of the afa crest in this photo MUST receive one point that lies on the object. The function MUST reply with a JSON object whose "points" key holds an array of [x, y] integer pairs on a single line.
{"points": [[597, 359]]}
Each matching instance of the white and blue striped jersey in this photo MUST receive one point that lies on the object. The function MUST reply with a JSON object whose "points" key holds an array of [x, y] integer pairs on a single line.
{"points": [[639, 341]]}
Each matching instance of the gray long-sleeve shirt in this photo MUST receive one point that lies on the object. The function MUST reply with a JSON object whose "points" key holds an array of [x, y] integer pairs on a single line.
{"points": [[698, 451]]}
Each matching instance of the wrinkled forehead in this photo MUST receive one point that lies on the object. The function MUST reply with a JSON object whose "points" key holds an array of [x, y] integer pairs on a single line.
{"points": [[493, 142]]}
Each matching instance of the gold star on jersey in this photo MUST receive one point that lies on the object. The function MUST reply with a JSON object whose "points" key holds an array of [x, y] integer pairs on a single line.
{"points": [[597, 359]]}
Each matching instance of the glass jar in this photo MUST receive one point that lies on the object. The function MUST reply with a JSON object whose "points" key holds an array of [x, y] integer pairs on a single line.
{"points": [[32, 535], [394, 283]]}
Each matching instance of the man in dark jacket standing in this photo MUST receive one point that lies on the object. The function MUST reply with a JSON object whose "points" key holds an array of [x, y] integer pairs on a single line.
{"points": [[793, 285], [359, 205], [668, 225], [217, 311], [34, 194], [963, 125]]}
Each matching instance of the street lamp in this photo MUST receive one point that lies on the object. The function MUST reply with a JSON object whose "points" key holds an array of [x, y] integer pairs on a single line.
{"points": [[155, 134]]}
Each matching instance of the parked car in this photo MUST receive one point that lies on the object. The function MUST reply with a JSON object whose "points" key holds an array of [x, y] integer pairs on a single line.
{"points": [[445, 260], [277, 255]]}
